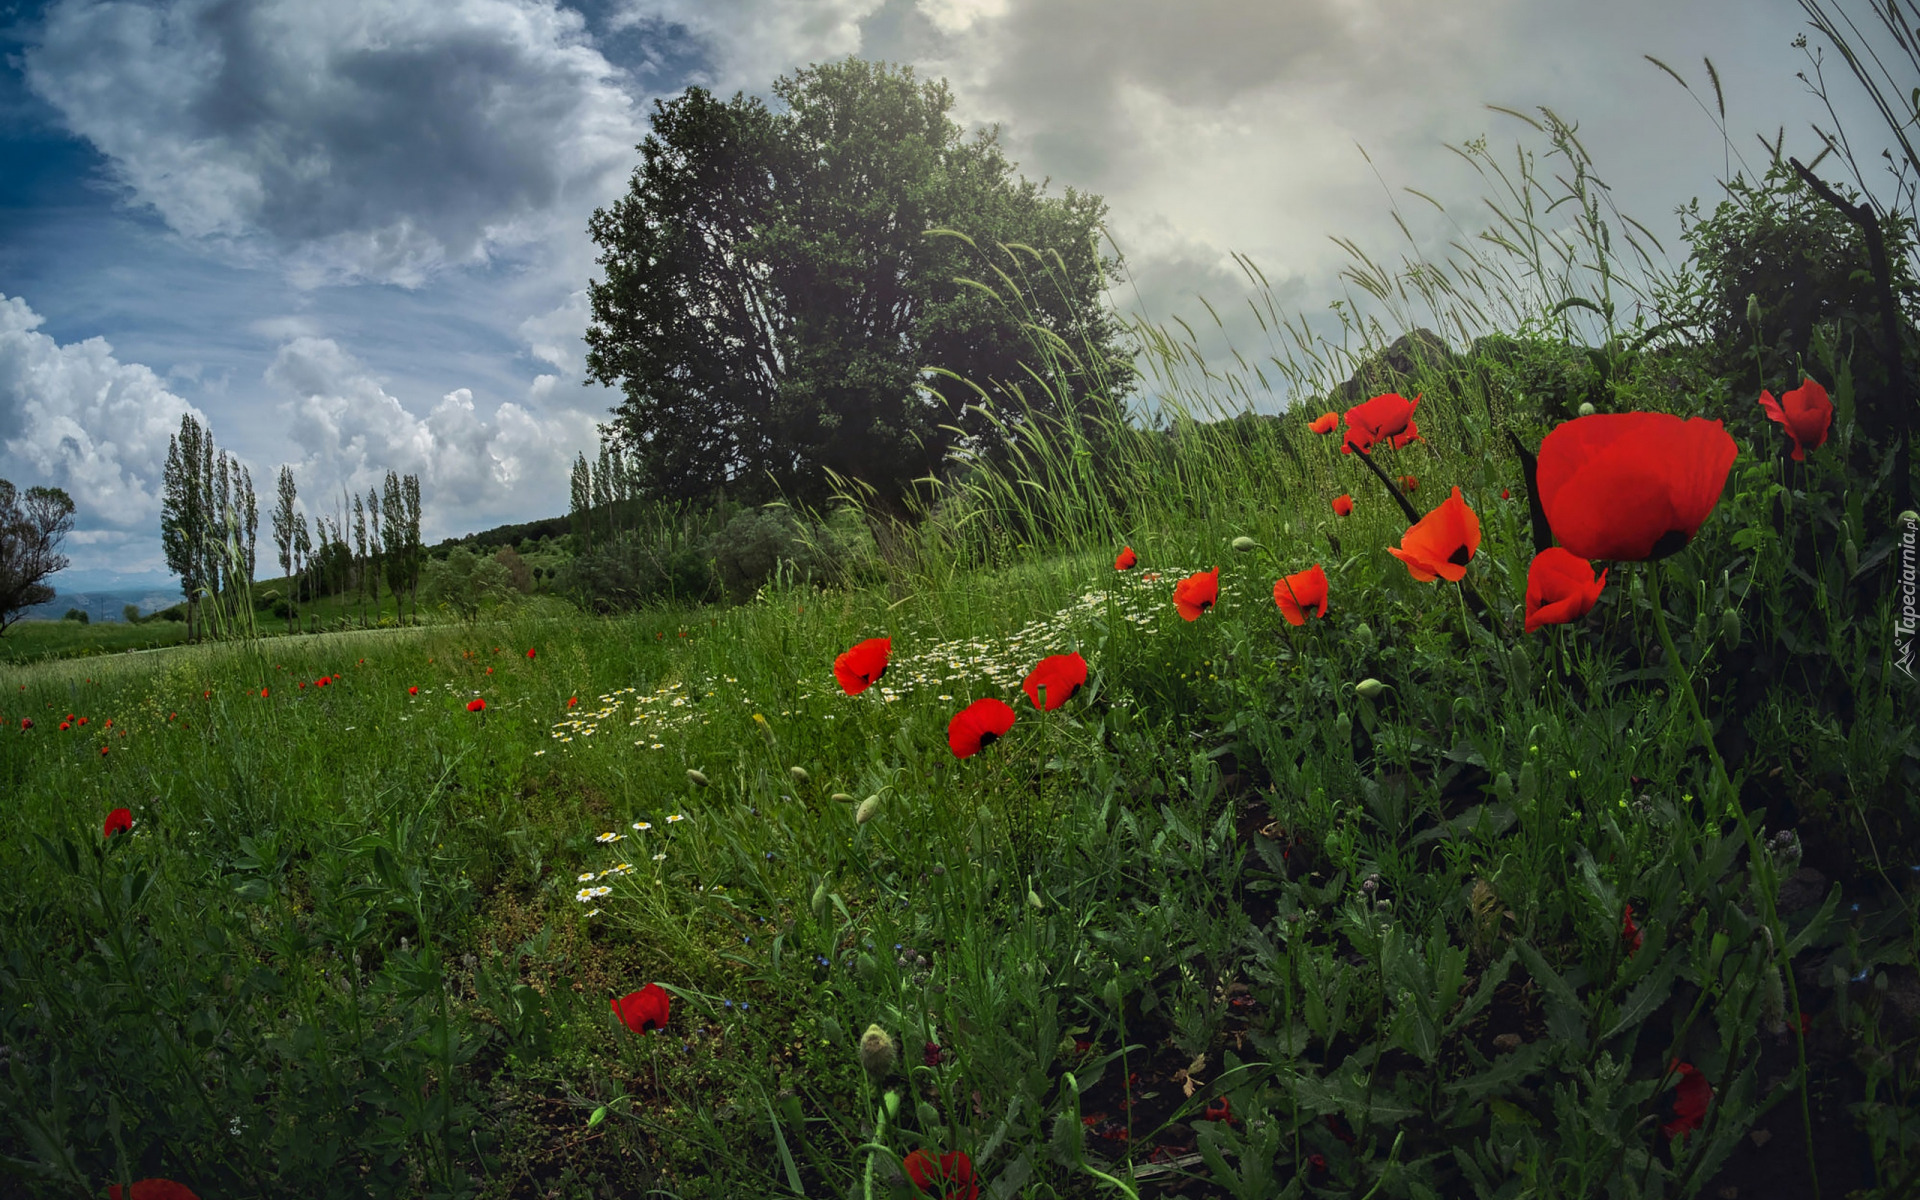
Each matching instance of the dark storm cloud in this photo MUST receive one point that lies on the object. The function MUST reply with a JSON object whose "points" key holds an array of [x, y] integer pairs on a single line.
{"points": [[379, 141]]}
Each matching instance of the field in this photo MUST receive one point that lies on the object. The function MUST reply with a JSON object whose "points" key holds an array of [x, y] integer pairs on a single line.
{"points": [[1404, 900], [31, 641]]}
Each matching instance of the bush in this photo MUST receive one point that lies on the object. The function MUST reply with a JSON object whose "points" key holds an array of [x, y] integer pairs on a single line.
{"points": [[759, 546], [74, 614]]}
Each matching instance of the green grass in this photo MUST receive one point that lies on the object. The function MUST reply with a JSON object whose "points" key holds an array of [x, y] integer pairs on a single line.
{"points": [[28, 641], [1221, 926]]}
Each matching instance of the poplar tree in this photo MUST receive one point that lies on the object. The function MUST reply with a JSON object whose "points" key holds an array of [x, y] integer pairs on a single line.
{"points": [[283, 517]]}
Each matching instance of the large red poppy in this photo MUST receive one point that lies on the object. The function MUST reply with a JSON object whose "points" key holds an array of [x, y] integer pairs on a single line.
{"points": [[1197, 593], [117, 820], [1629, 487], [643, 1010], [949, 1179], [1389, 417], [978, 726], [1561, 587], [476, 705], [153, 1189], [1440, 543], [1689, 1101], [1325, 423], [1299, 592], [1343, 505], [1061, 675], [1125, 560], [1806, 413], [861, 667]]}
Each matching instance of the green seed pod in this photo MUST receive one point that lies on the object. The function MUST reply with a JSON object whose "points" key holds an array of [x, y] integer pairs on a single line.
{"points": [[1369, 688], [1730, 627], [819, 904], [1702, 629], [696, 778], [1245, 544], [876, 1052], [799, 775], [1343, 729], [1586, 410]]}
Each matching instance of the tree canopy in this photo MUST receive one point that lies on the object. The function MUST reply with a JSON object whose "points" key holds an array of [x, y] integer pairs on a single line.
{"points": [[773, 295], [31, 528]]}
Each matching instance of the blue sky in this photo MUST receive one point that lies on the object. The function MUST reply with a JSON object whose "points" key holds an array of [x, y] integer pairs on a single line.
{"points": [[351, 235]]}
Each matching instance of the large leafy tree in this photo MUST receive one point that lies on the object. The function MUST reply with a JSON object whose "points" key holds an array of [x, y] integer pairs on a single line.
{"points": [[31, 528], [773, 294]]}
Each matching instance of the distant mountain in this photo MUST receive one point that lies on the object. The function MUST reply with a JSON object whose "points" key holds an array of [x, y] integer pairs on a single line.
{"points": [[107, 605]]}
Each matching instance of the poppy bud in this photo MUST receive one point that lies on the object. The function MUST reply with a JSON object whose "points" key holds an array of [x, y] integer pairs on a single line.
{"points": [[876, 1052], [1527, 783], [1586, 409], [1245, 544], [1503, 787], [799, 775], [1702, 629], [842, 797], [1730, 627], [892, 1101], [696, 778], [1908, 517], [1033, 899], [1852, 552], [819, 904], [868, 807], [1369, 688], [1343, 729], [1753, 309], [1363, 635]]}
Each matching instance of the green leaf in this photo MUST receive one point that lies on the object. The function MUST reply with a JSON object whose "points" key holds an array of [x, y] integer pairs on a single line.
{"points": [[1650, 993]]}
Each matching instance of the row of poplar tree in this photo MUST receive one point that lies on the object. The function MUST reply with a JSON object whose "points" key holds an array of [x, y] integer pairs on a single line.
{"points": [[209, 520]]}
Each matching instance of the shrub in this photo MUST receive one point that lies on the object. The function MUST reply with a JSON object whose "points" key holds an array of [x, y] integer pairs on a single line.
{"points": [[74, 614]]}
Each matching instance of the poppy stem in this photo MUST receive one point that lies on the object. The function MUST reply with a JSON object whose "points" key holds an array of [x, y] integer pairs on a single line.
{"points": [[1764, 875]]}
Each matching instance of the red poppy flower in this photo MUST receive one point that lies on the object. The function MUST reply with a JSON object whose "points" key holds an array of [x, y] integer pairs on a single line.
{"points": [[1440, 544], [322, 681], [1806, 413], [1505, 494], [413, 691], [978, 726], [644, 1010], [949, 1179], [1317, 1163], [489, 670], [529, 651], [103, 750], [1299, 592], [1689, 1101], [572, 700], [861, 667], [1630, 487], [930, 1054], [118, 819], [303, 685], [153, 1189], [1560, 588], [1389, 416], [1125, 560], [1629, 932], [1197, 593], [1409, 483], [1061, 675], [26, 722], [476, 705], [207, 695], [1219, 1110], [65, 725], [1343, 505], [1325, 423], [263, 693], [83, 720]]}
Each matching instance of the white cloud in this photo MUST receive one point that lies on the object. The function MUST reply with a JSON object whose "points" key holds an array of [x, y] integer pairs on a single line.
{"points": [[473, 469], [76, 417], [357, 139]]}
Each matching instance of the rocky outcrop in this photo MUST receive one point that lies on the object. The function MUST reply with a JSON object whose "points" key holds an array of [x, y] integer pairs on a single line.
{"points": [[1392, 369]]}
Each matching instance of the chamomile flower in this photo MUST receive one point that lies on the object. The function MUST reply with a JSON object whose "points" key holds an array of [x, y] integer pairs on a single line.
{"points": [[609, 837], [586, 877]]}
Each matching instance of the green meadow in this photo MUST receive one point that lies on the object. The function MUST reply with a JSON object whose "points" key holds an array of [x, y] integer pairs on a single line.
{"points": [[1403, 901]]}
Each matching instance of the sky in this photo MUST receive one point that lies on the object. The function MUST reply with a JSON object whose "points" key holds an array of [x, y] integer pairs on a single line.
{"points": [[350, 236]]}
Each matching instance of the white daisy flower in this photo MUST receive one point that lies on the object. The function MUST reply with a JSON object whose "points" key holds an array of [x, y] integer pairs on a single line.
{"points": [[609, 837]]}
